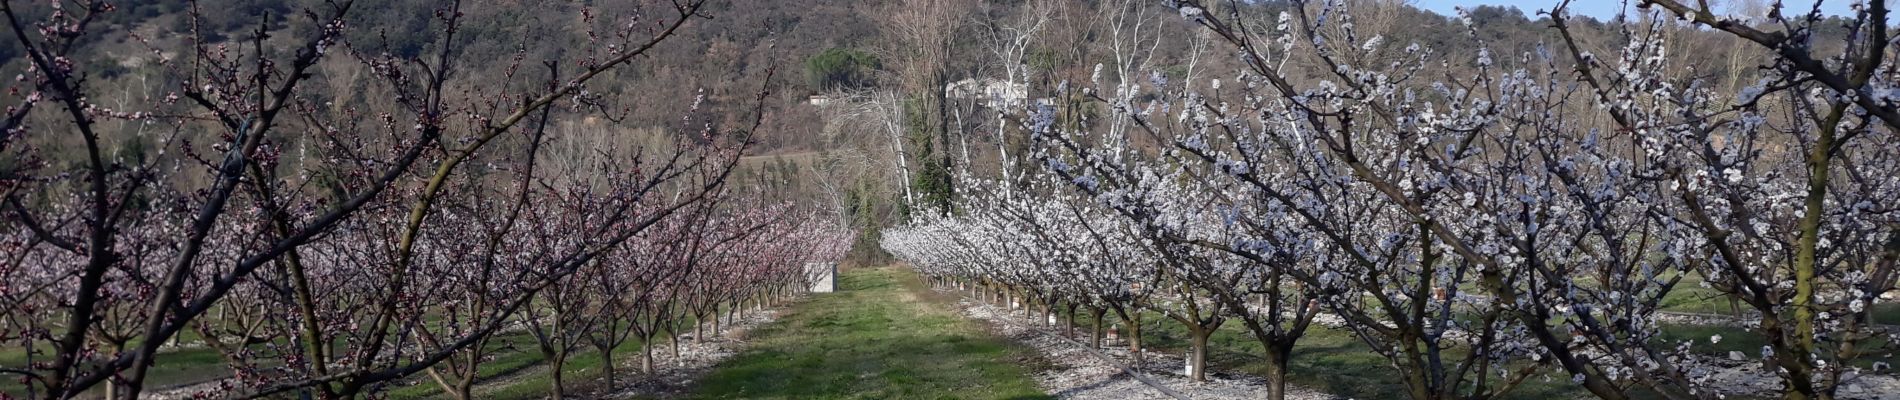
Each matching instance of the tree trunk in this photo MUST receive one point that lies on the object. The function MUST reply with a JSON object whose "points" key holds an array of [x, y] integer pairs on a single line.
{"points": [[607, 362], [465, 389], [1099, 313], [1070, 329], [646, 350], [462, 389], [1197, 355], [1135, 332], [674, 339], [1049, 313], [559, 362], [1276, 374], [1809, 230], [1134, 337], [111, 387]]}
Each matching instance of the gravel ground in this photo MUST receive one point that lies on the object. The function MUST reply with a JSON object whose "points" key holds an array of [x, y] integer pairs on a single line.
{"points": [[1748, 377], [192, 391], [1074, 373], [674, 378]]}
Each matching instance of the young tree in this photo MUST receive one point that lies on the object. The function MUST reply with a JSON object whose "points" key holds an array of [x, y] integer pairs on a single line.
{"points": [[1778, 187]]}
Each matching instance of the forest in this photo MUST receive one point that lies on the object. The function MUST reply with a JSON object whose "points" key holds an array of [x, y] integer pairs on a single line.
{"points": [[1088, 199]]}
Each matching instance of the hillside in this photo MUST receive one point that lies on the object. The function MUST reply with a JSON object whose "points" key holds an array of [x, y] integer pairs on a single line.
{"points": [[727, 54]]}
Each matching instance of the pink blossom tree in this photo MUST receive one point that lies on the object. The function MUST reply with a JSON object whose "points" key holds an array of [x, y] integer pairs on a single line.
{"points": [[334, 269]]}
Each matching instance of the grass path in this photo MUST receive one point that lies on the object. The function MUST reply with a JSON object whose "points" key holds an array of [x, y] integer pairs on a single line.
{"points": [[875, 338]]}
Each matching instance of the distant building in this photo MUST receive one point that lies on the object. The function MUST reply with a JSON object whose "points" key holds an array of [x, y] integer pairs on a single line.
{"points": [[824, 277], [988, 91]]}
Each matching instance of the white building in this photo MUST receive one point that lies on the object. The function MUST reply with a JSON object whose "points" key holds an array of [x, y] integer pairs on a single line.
{"points": [[823, 277], [987, 91]]}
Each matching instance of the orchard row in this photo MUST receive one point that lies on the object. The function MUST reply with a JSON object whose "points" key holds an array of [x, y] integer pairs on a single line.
{"points": [[330, 220], [1475, 220]]}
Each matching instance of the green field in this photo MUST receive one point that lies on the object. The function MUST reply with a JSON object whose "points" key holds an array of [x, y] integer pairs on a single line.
{"points": [[886, 335], [516, 370], [882, 336]]}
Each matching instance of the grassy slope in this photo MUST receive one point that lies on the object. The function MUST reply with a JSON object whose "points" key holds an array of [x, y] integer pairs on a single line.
{"points": [[874, 339]]}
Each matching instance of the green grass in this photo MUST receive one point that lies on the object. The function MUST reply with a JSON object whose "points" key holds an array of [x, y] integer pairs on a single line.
{"points": [[513, 354], [1690, 296], [876, 338], [513, 372], [584, 372], [181, 366], [1750, 343]]}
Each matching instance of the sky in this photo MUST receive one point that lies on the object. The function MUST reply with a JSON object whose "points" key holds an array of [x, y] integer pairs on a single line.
{"points": [[1602, 9]]}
